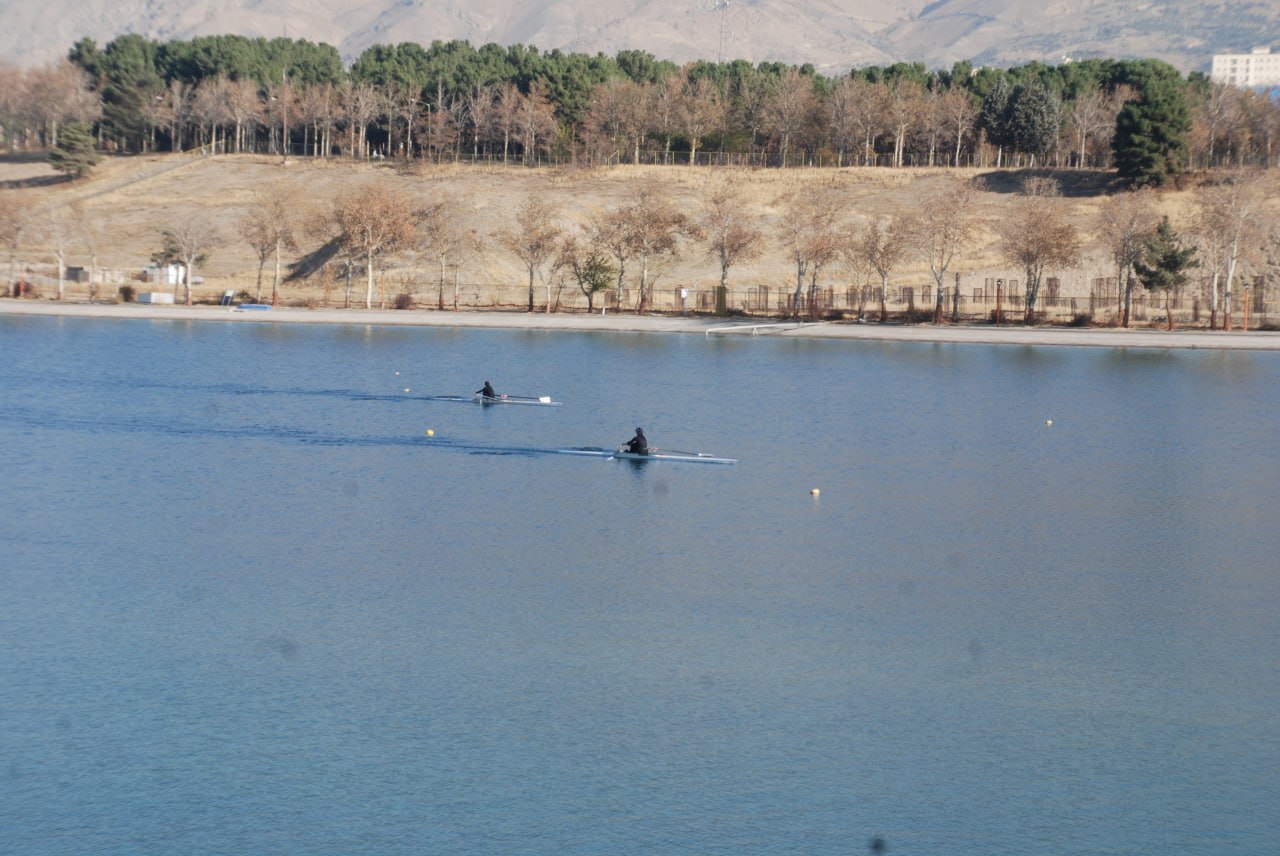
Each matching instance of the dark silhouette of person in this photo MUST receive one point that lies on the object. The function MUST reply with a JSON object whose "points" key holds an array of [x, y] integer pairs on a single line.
{"points": [[639, 444], [487, 391]]}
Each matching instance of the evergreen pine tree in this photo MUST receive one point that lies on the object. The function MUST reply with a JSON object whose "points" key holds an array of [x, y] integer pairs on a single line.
{"points": [[1150, 142], [993, 116], [74, 154], [1034, 117], [1165, 263]]}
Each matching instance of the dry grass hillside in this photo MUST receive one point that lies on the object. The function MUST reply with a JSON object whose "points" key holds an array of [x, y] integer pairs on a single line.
{"points": [[128, 202]]}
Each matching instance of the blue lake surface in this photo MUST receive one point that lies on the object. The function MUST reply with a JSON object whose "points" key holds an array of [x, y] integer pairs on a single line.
{"points": [[247, 605]]}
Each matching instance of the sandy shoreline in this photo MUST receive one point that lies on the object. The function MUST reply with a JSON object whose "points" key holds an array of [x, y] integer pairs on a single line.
{"points": [[626, 323]]}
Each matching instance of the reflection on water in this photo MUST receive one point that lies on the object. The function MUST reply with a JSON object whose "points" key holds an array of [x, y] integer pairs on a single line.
{"points": [[252, 606]]}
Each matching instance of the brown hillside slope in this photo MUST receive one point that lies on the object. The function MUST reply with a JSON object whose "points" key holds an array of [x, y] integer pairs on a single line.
{"points": [[128, 202]]}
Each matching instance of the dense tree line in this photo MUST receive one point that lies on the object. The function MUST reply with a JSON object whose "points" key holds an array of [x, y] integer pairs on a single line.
{"points": [[452, 101]]}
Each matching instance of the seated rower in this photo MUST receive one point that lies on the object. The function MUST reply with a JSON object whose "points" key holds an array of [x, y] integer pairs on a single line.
{"points": [[639, 444], [486, 391]]}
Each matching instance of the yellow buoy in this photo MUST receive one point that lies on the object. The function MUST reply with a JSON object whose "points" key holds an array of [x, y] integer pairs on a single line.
{"points": [[406, 389], [430, 433], [1048, 421], [815, 492]]}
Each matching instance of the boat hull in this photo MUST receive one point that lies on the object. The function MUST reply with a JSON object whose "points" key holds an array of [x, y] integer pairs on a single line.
{"points": [[528, 400], [654, 455], [676, 457]]}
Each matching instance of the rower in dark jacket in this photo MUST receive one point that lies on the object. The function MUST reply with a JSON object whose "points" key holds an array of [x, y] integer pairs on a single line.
{"points": [[487, 391], [639, 444]]}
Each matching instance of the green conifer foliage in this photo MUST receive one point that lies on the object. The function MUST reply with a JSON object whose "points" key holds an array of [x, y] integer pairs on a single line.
{"points": [[1165, 264], [1150, 142], [75, 153]]}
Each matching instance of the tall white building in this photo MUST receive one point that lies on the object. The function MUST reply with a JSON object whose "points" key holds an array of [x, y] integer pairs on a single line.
{"points": [[1259, 67]]}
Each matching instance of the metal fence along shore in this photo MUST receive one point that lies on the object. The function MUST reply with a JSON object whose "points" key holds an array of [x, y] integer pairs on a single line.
{"points": [[980, 300]]}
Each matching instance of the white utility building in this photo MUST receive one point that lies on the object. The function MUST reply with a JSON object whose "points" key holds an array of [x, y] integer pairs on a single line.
{"points": [[1258, 68]]}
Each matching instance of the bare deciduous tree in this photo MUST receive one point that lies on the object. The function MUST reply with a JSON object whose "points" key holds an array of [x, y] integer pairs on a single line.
{"points": [[59, 93], [880, 245], [210, 108], [446, 235], [270, 227], [1088, 116], [57, 228], [903, 109], [664, 112], [610, 231], [842, 129], [188, 241], [958, 115], [602, 126], [1227, 224], [810, 230], [944, 222], [1038, 235], [442, 126], [790, 110], [535, 121], [1216, 113], [1126, 222], [479, 115], [361, 104], [15, 217], [374, 220], [732, 234], [533, 239], [244, 109], [506, 108], [173, 109], [701, 110], [318, 109], [651, 226]]}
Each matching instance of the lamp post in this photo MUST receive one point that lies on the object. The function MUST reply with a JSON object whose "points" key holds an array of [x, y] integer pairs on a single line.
{"points": [[999, 294]]}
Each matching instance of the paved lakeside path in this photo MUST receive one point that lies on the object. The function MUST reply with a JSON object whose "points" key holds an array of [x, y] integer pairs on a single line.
{"points": [[700, 325]]}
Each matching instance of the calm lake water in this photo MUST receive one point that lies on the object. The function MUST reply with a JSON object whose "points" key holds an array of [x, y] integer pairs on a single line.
{"points": [[248, 606]]}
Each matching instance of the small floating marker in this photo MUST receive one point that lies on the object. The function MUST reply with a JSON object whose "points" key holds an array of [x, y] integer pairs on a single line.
{"points": [[815, 492], [397, 374], [430, 433], [1048, 422], [406, 389]]}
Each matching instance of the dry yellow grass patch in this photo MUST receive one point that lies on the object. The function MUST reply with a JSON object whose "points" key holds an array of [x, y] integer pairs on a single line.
{"points": [[129, 202]]}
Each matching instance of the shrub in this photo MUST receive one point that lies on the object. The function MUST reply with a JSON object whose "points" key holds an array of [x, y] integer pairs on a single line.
{"points": [[404, 301], [127, 293]]}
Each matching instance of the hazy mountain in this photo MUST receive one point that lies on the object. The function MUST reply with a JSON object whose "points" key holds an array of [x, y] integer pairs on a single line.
{"points": [[832, 34]]}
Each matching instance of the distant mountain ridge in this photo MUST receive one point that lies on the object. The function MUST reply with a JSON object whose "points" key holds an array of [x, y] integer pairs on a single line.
{"points": [[833, 35]]}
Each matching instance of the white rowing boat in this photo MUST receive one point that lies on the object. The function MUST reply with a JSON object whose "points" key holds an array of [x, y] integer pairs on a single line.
{"points": [[543, 400], [654, 455], [477, 398], [673, 455]]}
